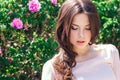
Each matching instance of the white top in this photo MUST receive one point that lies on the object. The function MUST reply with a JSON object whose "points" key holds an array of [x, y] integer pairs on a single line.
{"points": [[105, 66]]}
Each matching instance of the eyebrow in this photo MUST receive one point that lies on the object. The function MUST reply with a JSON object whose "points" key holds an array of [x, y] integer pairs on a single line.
{"points": [[78, 25]]}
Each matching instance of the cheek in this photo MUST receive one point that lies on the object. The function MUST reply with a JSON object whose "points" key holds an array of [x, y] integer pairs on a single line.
{"points": [[89, 35]]}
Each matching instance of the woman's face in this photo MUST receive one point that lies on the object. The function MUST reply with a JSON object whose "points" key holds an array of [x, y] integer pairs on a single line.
{"points": [[80, 32]]}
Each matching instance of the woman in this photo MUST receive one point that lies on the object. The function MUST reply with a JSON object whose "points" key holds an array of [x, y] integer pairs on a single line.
{"points": [[79, 58]]}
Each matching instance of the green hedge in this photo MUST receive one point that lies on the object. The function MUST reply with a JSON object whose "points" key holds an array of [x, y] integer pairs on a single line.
{"points": [[24, 51], [110, 21]]}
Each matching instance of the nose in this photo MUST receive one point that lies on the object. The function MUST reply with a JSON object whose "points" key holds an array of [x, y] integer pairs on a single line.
{"points": [[81, 33]]}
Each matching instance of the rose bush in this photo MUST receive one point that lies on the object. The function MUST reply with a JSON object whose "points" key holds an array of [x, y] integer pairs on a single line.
{"points": [[26, 43], [27, 34]]}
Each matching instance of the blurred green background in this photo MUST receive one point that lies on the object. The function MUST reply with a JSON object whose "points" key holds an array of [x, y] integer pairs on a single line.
{"points": [[24, 51]]}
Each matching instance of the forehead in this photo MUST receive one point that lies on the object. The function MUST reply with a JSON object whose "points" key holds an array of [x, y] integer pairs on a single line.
{"points": [[81, 19]]}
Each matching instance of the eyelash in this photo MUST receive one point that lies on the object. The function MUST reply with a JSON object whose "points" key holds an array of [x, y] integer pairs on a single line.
{"points": [[77, 28], [74, 28], [88, 28]]}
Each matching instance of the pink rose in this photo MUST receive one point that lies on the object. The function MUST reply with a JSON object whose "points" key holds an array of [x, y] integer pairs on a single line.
{"points": [[0, 51], [17, 23], [54, 2], [34, 6]]}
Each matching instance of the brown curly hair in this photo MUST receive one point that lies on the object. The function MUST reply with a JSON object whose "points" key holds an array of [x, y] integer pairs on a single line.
{"points": [[65, 60]]}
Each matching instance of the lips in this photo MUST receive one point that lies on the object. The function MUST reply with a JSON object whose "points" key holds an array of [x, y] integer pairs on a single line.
{"points": [[80, 41]]}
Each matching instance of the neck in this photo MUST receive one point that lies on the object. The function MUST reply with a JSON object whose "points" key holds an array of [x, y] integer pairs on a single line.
{"points": [[84, 51]]}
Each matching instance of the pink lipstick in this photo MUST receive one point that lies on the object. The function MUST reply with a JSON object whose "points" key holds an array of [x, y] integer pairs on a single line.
{"points": [[80, 42]]}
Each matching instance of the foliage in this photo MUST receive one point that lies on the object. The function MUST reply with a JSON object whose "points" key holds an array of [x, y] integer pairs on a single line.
{"points": [[24, 51], [109, 11]]}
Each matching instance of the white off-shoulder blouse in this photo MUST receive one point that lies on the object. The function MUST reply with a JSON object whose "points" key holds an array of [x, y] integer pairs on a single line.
{"points": [[105, 66]]}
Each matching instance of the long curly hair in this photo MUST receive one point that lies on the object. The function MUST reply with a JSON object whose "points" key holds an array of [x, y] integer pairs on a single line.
{"points": [[65, 60]]}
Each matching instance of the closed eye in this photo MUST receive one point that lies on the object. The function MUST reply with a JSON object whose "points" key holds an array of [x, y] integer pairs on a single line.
{"points": [[74, 28], [88, 28]]}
